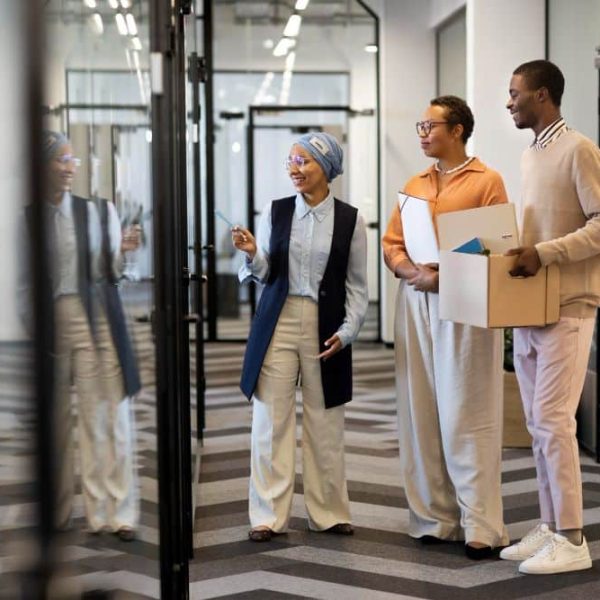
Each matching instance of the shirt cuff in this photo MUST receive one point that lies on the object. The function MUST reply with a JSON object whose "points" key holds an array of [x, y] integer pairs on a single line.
{"points": [[546, 252], [345, 336]]}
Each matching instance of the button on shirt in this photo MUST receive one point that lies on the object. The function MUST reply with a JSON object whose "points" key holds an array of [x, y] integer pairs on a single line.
{"points": [[310, 244]]}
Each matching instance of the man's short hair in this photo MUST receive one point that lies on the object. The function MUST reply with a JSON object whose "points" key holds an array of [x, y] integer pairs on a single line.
{"points": [[543, 73], [458, 112]]}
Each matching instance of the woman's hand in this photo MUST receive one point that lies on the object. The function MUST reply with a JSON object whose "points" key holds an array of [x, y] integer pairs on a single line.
{"points": [[243, 240], [425, 278], [333, 344]]}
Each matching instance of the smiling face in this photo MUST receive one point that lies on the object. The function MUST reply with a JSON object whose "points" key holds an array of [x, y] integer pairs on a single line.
{"points": [[522, 103], [308, 178], [61, 169], [443, 138]]}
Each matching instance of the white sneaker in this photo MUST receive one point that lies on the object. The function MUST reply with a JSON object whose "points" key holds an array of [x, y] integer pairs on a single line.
{"points": [[529, 545], [558, 555]]}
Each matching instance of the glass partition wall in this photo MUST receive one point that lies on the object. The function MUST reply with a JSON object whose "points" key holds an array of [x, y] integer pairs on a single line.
{"points": [[97, 95], [280, 71]]}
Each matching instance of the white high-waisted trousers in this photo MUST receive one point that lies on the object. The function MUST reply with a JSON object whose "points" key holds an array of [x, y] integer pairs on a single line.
{"points": [[293, 350], [449, 387]]}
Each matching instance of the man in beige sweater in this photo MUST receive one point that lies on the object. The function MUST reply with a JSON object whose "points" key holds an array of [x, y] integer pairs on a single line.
{"points": [[559, 222]]}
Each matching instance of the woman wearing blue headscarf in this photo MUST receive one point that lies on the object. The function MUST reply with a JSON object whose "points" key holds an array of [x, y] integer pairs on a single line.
{"points": [[310, 254]]}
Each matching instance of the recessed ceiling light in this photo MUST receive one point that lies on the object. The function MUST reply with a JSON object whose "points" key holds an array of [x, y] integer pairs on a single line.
{"points": [[293, 26]]}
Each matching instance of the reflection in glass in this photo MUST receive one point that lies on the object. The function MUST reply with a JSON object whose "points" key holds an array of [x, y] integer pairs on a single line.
{"points": [[99, 229]]}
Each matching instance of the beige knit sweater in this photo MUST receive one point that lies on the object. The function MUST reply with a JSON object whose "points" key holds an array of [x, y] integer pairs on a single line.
{"points": [[559, 214]]}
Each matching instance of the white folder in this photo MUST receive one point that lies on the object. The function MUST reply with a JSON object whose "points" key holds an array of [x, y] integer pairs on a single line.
{"points": [[495, 226], [417, 226]]}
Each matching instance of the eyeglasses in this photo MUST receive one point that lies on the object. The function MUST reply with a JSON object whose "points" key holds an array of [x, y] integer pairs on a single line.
{"points": [[66, 159], [298, 161], [424, 127]]}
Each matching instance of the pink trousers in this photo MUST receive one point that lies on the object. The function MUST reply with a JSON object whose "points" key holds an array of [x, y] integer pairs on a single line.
{"points": [[551, 364]]}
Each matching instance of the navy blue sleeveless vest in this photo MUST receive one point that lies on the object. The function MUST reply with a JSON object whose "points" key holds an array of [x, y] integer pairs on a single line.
{"points": [[336, 372], [108, 287]]}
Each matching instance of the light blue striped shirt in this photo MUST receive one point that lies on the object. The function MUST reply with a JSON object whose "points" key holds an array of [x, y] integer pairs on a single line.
{"points": [[310, 244]]}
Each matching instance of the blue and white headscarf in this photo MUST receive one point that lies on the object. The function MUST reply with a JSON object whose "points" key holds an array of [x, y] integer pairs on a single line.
{"points": [[52, 142], [324, 148]]}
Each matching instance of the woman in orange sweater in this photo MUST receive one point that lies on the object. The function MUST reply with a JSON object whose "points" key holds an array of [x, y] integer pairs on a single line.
{"points": [[449, 376]]}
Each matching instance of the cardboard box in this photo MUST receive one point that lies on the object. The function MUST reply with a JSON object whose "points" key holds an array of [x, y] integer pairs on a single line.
{"points": [[477, 289]]}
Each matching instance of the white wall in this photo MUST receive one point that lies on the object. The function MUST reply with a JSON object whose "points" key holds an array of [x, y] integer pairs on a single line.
{"points": [[492, 55], [440, 10], [574, 35], [13, 167], [407, 84]]}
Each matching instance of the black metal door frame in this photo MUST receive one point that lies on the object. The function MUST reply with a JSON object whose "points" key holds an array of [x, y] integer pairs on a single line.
{"points": [[171, 294], [37, 583]]}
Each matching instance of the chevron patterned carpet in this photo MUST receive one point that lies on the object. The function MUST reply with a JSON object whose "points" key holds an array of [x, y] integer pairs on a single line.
{"points": [[379, 562]]}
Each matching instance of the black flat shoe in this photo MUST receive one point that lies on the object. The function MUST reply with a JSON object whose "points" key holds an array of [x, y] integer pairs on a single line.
{"points": [[341, 529], [430, 540], [478, 553], [260, 535], [126, 534]]}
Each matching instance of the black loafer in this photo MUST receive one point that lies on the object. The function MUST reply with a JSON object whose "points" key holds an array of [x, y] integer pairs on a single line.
{"points": [[478, 553], [260, 535], [126, 534], [430, 540], [341, 529]]}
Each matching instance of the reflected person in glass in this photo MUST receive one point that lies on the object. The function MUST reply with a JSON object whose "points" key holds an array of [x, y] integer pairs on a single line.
{"points": [[92, 350], [310, 255], [448, 376]]}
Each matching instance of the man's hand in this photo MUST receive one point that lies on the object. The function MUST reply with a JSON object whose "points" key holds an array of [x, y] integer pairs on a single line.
{"points": [[527, 262], [333, 344], [425, 278]]}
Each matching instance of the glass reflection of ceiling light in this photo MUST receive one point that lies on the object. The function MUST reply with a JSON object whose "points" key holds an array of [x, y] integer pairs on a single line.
{"points": [[97, 23], [268, 44], [136, 43], [126, 3], [283, 46], [292, 27], [372, 48], [114, 3], [236, 147], [90, 3], [301, 4], [131, 25], [289, 61], [121, 24], [149, 135]]}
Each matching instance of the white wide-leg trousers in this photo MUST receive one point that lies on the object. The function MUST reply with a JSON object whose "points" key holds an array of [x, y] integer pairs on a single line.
{"points": [[449, 390], [293, 352]]}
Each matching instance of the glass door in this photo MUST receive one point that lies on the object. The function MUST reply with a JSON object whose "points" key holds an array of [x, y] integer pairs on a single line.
{"points": [[272, 132]]}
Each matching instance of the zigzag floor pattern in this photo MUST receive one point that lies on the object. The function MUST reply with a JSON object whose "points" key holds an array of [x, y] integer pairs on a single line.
{"points": [[379, 562]]}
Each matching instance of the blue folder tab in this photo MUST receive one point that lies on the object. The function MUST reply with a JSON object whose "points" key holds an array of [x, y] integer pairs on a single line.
{"points": [[474, 246]]}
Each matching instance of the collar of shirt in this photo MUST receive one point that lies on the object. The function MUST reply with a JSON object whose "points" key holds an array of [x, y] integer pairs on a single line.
{"points": [[549, 134], [474, 165], [65, 208], [320, 211]]}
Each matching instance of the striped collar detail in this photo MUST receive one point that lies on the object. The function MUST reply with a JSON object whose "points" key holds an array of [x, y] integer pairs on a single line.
{"points": [[550, 134]]}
